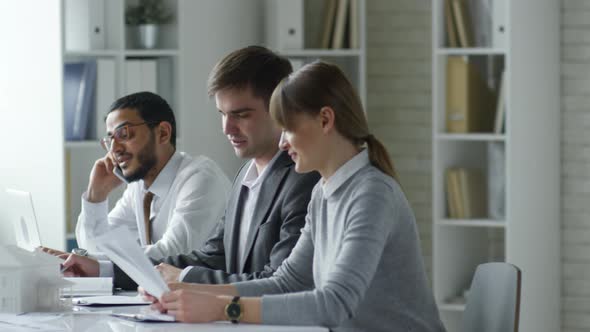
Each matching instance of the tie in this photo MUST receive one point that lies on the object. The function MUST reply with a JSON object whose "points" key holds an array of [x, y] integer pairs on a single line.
{"points": [[147, 202]]}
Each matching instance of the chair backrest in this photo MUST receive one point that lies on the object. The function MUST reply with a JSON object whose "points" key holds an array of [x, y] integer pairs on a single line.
{"points": [[493, 302]]}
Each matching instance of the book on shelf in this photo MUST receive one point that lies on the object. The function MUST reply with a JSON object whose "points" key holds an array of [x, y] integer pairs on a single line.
{"points": [[338, 38], [496, 180], [500, 105], [328, 28], [450, 27], [353, 25], [473, 193], [481, 20], [466, 193], [469, 101], [463, 23], [78, 98], [84, 25], [452, 193]]}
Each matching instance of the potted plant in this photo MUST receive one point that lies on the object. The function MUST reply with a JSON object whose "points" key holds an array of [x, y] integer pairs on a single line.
{"points": [[147, 15]]}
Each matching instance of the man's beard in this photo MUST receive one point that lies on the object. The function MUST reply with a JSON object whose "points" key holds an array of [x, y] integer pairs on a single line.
{"points": [[146, 158]]}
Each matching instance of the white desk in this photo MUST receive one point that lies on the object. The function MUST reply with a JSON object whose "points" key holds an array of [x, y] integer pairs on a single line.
{"points": [[98, 319]]}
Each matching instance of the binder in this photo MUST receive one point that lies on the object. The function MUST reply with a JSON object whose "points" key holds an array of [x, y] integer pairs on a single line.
{"points": [[79, 83], [284, 24], [149, 77], [498, 23], [469, 101], [105, 94], [84, 25], [132, 76]]}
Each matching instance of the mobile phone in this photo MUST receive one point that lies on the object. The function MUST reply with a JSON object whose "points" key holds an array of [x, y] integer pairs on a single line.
{"points": [[119, 173]]}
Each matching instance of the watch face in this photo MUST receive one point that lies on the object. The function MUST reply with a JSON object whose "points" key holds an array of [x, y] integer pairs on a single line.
{"points": [[234, 311]]}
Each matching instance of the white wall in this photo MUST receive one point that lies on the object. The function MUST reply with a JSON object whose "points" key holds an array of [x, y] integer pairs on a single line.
{"points": [[31, 138], [219, 27]]}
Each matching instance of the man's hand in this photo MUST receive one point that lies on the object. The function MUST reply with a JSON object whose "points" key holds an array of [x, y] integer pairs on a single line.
{"points": [[102, 179], [53, 252], [79, 266], [169, 272]]}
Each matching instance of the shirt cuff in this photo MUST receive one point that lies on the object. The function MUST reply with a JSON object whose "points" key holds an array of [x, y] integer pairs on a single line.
{"points": [[94, 211], [106, 269], [184, 273]]}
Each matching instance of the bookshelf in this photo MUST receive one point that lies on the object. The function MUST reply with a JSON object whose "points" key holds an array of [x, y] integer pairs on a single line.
{"points": [[527, 233], [299, 36]]}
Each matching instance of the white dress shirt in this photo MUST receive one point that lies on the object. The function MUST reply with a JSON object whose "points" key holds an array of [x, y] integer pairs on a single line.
{"points": [[252, 180], [189, 199]]}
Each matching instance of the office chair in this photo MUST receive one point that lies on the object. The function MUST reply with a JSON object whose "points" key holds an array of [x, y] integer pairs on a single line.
{"points": [[493, 303]]}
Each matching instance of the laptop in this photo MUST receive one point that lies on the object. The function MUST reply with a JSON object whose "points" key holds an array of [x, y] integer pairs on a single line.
{"points": [[23, 218]]}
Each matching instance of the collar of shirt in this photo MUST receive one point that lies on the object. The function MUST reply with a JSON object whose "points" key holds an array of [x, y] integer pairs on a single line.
{"points": [[345, 172], [252, 180], [164, 180]]}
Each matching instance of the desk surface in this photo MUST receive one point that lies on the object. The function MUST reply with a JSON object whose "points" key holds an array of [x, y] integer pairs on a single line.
{"points": [[98, 319]]}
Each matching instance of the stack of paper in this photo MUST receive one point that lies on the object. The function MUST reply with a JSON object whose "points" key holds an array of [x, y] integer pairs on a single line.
{"points": [[89, 287]]}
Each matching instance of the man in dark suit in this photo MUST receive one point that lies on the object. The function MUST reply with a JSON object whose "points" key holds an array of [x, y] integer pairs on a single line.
{"points": [[267, 207]]}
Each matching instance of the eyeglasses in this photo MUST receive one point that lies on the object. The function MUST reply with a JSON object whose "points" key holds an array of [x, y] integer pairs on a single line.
{"points": [[121, 134]]}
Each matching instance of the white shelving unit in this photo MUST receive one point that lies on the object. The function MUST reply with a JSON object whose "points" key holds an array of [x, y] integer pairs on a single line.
{"points": [[529, 235], [351, 60]]}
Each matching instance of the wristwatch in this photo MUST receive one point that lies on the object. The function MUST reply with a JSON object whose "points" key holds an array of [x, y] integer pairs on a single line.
{"points": [[233, 310], [80, 252]]}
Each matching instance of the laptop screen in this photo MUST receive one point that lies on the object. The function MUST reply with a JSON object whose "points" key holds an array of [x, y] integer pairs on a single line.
{"points": [[23, 218]]}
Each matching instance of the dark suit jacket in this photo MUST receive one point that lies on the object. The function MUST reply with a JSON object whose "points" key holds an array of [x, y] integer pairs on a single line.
{"points": [[278, 217]]}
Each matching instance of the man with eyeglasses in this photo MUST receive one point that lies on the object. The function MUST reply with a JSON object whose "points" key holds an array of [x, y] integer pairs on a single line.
{"points": [[172, 200]]}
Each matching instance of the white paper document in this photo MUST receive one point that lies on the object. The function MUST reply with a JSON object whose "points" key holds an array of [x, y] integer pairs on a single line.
{"points": [[24, 323], [152, 316], [129, 256], [112, 300], [89, 287]]}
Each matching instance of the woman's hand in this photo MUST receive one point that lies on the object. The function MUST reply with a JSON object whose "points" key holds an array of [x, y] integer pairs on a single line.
{"points": [[190, 306]]}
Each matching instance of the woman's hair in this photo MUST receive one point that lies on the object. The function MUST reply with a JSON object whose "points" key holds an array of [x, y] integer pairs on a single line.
{"points": [[320, 84]]}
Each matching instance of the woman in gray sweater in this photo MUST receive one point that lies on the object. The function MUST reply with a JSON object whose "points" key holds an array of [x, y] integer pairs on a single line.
{"points": [[357, 265]]}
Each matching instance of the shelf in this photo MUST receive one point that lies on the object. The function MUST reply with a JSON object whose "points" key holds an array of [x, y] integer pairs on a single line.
{"points": [[472, 223], [321, 52], [470, 137], [150, 53], [451, 307], [82, 144], [93, 53], [470, 51]]}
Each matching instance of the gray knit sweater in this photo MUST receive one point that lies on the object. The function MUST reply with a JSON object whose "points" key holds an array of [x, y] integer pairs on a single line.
{"points": [[357, 264]]}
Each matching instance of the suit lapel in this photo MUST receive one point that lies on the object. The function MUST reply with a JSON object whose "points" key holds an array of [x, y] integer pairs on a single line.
{"points": [[266, 198], [232, 220]]}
